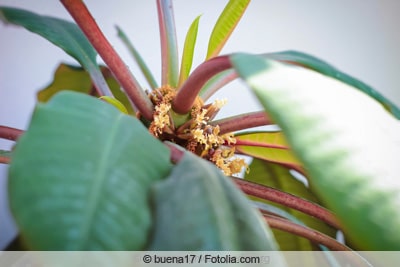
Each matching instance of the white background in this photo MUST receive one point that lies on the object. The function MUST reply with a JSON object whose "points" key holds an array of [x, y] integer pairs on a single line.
{"points": [[360, 37]]}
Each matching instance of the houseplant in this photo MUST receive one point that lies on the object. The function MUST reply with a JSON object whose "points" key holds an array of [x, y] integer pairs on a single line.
{"points": [[331, 154]]}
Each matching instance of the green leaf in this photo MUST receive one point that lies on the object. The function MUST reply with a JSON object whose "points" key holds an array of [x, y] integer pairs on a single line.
{"points": [[169, 47], [67, 77], [270, 146], [188, 51], [278, 177], [225, 25], [346, 141], [139, 60], [311, 62], [80, 177], [201, 207], [115, 103], [76, 79], [63, 34]]}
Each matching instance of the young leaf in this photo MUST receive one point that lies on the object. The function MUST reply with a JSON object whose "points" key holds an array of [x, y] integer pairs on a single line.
{"points": [[63, 34], [346, 141], [213, 214], [269, 146], [82, 171], [188, 51], [278, 177], [311, 62], [169, 47], [225, 25], [115, 103], [139, 60]]}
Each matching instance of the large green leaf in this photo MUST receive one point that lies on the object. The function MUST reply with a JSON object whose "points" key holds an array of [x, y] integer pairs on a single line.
{"points": [[63, 34], [308, 61], [276, 176], [346, 141], [80, 177], [225, 25], [201, 207], [271, 146]]}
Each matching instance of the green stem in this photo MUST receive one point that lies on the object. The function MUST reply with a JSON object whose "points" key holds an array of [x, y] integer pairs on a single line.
{"points": [[187, 94], [242, 121], [10, 133], [288, 200], [139, 60], [85, 21]]}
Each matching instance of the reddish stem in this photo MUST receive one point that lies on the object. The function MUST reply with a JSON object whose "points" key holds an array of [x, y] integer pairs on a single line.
{"points": [[176, 152], [4, 160], [212, 89], [85, 21], [242, 121], [313, 235], [287, 200], [259, 144], [10, 133], [187, 94]]}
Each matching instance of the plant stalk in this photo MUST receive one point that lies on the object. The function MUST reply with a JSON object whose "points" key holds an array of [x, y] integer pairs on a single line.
{"points": [[86, 22], [288, 200], [4, 160], [242, 121], [9, 133], [187, 94], [313, 235]]}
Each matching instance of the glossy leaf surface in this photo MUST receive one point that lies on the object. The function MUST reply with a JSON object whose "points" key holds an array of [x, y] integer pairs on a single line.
{"points": [[347, 142], [80, 177]]}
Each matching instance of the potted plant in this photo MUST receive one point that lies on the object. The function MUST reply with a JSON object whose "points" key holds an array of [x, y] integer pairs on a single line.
{"points": [[120, 168]]}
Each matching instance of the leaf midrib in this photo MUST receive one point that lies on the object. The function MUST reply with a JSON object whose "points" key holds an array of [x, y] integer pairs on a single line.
{"points": [[95, 192]]}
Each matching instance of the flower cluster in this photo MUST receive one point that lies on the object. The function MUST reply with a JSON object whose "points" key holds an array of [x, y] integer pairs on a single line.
{"points": [[196, 133]]}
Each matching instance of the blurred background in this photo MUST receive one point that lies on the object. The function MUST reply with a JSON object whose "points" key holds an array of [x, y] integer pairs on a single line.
{"points": [[360, 37]]}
